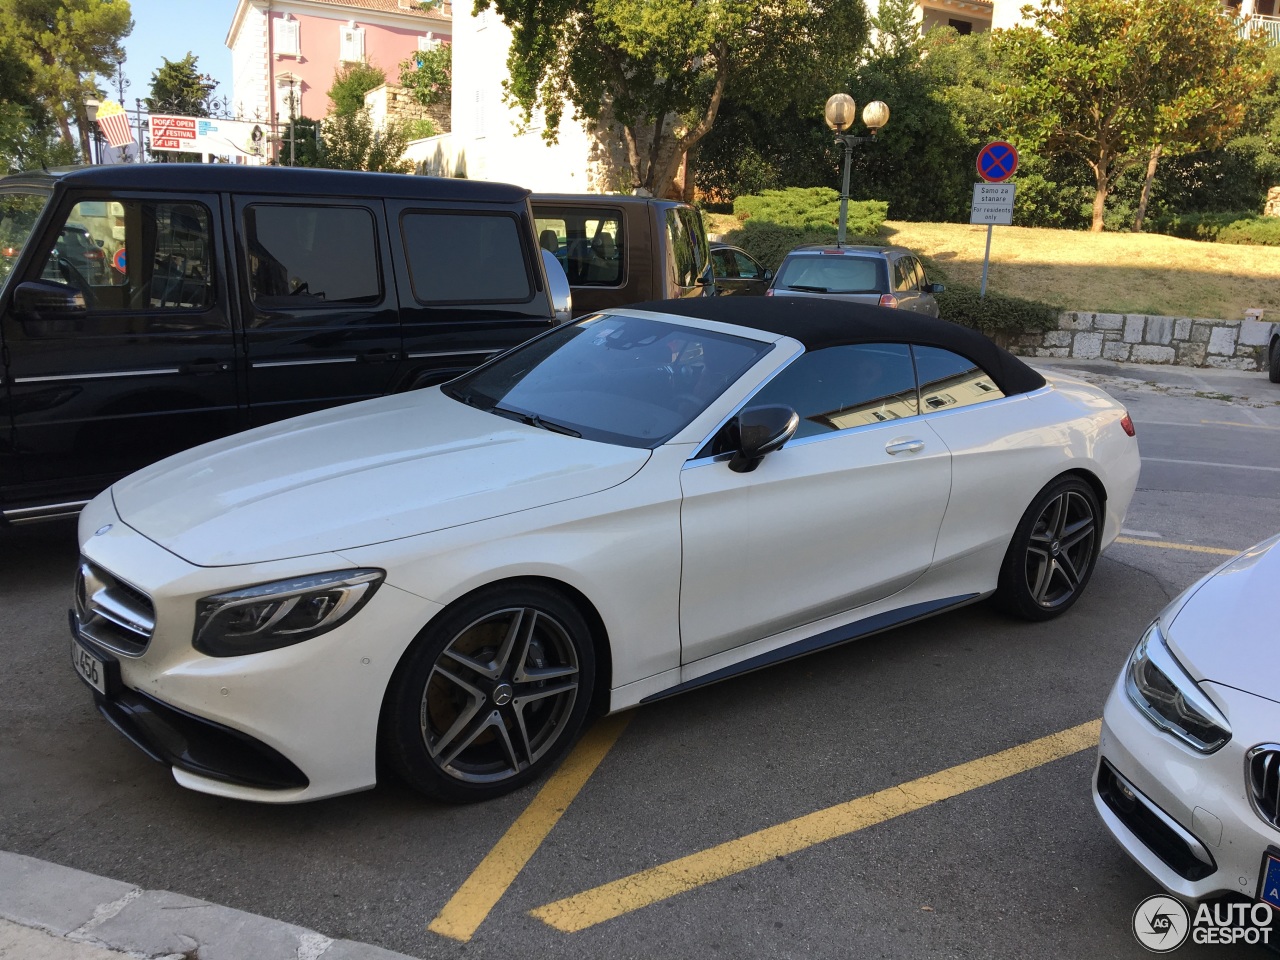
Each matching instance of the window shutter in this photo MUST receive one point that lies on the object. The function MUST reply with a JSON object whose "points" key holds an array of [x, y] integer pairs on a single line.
{"points": [[480, 118], [352, 44], [286, 37]]}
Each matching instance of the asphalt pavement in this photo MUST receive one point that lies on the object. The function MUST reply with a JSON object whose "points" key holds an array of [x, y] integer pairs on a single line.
{"points": [[110, 858]]}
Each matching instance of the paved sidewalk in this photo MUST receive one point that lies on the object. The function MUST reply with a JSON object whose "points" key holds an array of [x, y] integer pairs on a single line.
{"points": [[49, 912]]}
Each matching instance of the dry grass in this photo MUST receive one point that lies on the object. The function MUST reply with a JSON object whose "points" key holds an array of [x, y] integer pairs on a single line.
{"points": [[1108, 272]]}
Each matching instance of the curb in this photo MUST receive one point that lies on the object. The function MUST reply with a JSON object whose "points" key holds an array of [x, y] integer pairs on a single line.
{"points": [[80, 909]]}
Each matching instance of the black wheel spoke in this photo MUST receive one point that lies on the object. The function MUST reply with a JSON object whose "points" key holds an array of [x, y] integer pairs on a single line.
{"points": [[1042, 579]]}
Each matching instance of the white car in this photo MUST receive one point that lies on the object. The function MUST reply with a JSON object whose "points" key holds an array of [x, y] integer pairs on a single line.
{"points": [[1188, 773], [626, 507]]}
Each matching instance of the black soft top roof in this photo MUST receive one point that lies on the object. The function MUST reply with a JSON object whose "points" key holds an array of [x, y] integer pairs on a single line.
{"points": [[817, 322], [297, 181]]}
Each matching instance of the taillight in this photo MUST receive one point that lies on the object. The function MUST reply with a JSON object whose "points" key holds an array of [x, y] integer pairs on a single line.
{"points": [[769, 292], [888, 300], [1126, 424]]}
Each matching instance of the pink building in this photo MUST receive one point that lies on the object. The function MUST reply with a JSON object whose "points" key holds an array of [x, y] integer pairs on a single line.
{"points": [[288, 50]]}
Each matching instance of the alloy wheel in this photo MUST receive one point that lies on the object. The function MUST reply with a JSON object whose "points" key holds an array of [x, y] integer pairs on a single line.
{"points": [[1060, 549]]}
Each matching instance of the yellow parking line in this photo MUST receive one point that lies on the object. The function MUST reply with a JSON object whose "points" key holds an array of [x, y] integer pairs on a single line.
{"points": [[1166, 545], [651, 886], [469, 907]]}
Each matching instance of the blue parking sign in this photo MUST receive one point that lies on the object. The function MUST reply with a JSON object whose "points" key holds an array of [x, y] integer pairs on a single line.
{"points": [[1269, 891]]}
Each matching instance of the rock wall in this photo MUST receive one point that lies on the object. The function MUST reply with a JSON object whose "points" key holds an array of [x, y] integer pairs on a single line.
{"points": [[1136, 338], [1272, 207]]}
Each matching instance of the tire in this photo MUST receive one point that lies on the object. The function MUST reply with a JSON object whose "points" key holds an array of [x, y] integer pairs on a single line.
{"points": [[1053, 552], [1273, 362], [491, 694]]}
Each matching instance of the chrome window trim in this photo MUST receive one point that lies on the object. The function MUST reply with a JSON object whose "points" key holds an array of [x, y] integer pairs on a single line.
{"points": [[101, 375]]}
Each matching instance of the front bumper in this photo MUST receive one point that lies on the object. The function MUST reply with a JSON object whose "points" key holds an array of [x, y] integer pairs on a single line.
{"points": [[1184, 817], [287, 725]]}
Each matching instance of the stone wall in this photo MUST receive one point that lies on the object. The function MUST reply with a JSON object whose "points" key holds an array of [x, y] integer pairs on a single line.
{"points": [[1135, 338]]}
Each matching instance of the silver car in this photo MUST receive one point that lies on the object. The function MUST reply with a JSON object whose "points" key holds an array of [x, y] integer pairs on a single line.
{"points": [[888, 276]]}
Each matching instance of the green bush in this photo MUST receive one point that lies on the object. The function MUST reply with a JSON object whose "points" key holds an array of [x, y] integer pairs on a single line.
{"points": [[1222, 228], [810, 207], [995, 313], [769, 242]]}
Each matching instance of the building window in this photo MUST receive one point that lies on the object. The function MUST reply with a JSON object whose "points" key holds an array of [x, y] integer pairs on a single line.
{"points": [[351, 46], [285, 35], [428, 42], [288, 96], [480, 111], [962, 27]]}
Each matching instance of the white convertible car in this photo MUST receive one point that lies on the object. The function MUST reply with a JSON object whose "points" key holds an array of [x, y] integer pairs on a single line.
{"points": [[626, 507]]}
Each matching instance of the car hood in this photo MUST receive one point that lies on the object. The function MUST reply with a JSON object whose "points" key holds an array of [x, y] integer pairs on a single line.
{"points": [[351, 476], [1226, 631]]}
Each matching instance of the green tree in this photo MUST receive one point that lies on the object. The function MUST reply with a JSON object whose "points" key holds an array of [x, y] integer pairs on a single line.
{"points": [[1100, 81], [66, 45], [428, 75], [659, 69], [29, 136], [350, 84], [350, 142]]}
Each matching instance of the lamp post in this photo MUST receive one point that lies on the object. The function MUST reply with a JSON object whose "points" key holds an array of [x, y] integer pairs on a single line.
{"points": [[91, 114], [840, 112]]}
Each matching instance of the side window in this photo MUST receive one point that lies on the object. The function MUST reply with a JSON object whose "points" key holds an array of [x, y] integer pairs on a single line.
{"points": [[724, 263], [130, 256], [697, 237], [920, 278], [303, 255], [847, 386], [948, 380], [903, 276], [748, 269], [589, 244], [682, 256], [466, 258]]}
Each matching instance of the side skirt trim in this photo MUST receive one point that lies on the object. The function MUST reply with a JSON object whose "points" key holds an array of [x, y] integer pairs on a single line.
{"points": [[820, 641]]}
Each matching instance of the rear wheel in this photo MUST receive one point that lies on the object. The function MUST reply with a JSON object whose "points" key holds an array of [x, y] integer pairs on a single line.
{"points": [[1053, 551], [491, 695], [1273, 362]]}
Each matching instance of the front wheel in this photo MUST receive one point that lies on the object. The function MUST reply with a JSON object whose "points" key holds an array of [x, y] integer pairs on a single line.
{"points": [[1273, 363], [491, 695], [1053, 552]]}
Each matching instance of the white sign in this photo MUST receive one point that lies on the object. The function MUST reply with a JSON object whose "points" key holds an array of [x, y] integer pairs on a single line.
{"points": [[992, 203], [204, 135]]}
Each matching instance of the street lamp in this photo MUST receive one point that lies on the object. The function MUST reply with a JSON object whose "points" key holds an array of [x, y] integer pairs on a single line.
{"points": [[91, 106], [840, 112]]}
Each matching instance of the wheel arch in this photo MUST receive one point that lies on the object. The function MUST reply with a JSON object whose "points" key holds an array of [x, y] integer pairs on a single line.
{"points": [[599, 637]]}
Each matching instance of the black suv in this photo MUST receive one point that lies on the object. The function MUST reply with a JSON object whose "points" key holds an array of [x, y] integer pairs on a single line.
{"points": [[222, 297]]}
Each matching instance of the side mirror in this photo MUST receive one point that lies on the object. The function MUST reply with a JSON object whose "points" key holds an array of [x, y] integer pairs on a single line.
{"points": [[42, 300], [768, 276], [761, 431], [936, 288], [558, 287]]}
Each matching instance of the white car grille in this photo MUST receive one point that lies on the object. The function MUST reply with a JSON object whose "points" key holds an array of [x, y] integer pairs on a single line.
{"points": [[111, 612]]}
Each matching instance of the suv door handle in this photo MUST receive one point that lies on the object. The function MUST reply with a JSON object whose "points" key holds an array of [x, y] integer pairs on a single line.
{"points": [[204, 368], [904, 446], [376, 356]]}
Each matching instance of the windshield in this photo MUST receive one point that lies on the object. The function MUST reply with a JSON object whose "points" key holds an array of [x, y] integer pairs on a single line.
{"points": [[18, 215], [632, 381], [834, 274]]}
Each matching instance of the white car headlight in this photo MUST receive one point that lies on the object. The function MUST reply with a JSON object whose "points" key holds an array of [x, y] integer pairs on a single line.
{"points": [[1159, 687], [273, 615]]}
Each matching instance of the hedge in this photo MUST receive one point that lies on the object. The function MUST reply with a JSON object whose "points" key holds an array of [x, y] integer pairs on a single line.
{"points": [[810, 208], [1240, 228], [995, 313]]}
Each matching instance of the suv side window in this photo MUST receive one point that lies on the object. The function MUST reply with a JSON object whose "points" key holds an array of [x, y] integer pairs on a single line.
{"points": [[921, 282], [466, 257], [131, 256], [950, 381], [301, 255], [683, 265], [588, 244], [904, 274], [726, 264], [748, 269], [847, 386]]}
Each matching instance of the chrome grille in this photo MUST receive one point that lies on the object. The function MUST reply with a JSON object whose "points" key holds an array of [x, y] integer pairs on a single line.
{"points": [[1262, 764], [113, 613]]}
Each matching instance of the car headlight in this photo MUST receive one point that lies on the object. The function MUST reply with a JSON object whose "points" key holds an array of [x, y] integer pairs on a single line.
{"points": [[1159, 687], [273, 615]]}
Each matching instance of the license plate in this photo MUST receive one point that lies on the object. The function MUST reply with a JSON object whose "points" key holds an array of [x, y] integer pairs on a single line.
{"points": [[91, 666], [1269, 884]]}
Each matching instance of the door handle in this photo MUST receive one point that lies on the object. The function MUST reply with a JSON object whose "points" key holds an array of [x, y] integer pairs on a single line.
{"points": [[904, 446], [203, 368], [377, 356]]}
